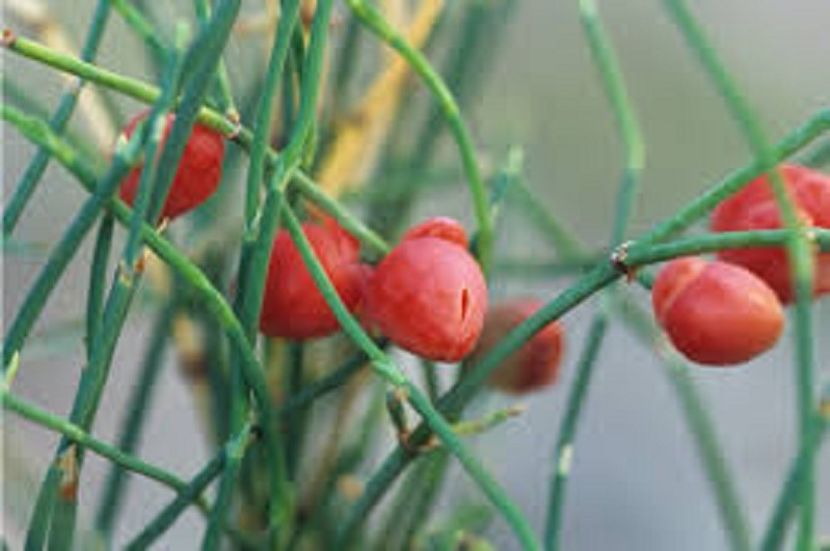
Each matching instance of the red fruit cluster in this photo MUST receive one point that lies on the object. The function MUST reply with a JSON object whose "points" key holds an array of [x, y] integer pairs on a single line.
{"points": [[428, 295], [754, 208], [535, 364], [197, 175], [716, 313], [293, 306]]}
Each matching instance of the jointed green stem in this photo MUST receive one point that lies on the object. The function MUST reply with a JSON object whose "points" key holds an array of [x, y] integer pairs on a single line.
{"points": [[791, 492], [189, 493], [629, 132], [234, 451], [798, 245], [145, 29], [261, 228], [700, 424], [314, 193], [68, 244], [223, 81], [375, 21], [262, 124], [35, 169], [99, 271], [563, 456], [136, 411], [95, 374], [386, 369], [80, 436]]}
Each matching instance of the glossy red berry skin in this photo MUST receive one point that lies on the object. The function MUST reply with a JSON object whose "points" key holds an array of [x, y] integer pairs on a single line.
{"points": [[429, 297], [198, 174], [292, 306], [716, 313], [441, 227], [754, 208], [535, 364]]}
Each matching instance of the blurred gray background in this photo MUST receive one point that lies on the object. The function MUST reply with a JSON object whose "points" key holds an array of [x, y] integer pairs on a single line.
{"points": [[636, 482]]}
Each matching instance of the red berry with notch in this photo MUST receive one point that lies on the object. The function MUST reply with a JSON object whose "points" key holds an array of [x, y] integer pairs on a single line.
{"points": [[293, 306], [535, 364], [429, 297], [754, 208], [716, 313], [198, 174]]}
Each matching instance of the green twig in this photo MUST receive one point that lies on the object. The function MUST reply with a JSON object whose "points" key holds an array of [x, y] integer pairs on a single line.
{"points": [[789, 497], [76, 434], [156, 527], [563, 456], [386, 369], [375, 21], [801, 261], [37, 166], [97, 279], [234, 451], [136, 410], [700, 425]]}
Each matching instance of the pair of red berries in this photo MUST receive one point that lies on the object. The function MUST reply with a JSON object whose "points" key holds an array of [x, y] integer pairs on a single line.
{"points": [[729, 311], [427, 295]]}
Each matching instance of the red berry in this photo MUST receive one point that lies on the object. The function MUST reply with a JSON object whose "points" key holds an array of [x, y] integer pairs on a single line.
{"points": [[441, 227], [429, 297], [535, 364], [754, 208], [293, 306], [197, 176], [716, 313]]}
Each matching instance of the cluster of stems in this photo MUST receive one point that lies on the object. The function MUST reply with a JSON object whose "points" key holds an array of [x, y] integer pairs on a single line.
{"points": [[259, 392]]}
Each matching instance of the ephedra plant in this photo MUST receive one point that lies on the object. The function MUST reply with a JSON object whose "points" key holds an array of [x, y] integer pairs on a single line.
{"points": [[308, 287]]}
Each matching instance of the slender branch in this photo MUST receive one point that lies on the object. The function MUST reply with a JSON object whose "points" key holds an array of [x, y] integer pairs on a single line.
{"points": [[375, 21], [799, 253], [80, 436], [66, 106]]}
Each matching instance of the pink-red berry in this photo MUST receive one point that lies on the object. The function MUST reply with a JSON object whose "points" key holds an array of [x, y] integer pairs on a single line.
{"points": [[429, 297], [754, 208], [197, 175], [535, 364], [716, 313], [293, 306], [441, 227]]}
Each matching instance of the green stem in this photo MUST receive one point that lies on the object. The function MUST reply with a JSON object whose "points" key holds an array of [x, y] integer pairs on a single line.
{"points": [[64, 251], [264, 113], [563, 456], [323, 386], [383, 365], [137, 407], [165, 519], [145, 29], [189, 273], [78, 435], [37, 166], [97, 277], [700, 425], [796, 140], [790, 495], [374, 20], [261, 228], [801, 261], [234, 452], [223, 82], [314, 193]]}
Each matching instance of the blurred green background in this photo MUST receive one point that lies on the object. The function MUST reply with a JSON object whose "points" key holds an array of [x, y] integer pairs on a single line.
{"points": [[636, 483]]}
